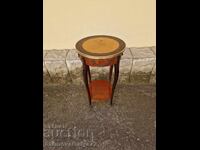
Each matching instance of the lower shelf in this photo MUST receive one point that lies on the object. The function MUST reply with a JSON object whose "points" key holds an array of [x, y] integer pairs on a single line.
{"points": [[100, 90]]}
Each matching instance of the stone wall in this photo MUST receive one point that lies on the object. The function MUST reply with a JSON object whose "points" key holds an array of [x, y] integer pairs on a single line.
{"points": [[137, 66]]}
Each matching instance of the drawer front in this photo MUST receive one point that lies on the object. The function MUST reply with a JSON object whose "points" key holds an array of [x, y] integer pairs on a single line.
{"points": [[101, 62]]}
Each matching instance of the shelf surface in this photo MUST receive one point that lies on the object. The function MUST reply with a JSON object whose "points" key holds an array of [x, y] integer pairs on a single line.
{"points": [[100, 90]]}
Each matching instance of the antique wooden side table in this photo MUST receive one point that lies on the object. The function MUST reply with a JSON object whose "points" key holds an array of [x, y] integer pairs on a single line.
{"points": [[100, 51]]}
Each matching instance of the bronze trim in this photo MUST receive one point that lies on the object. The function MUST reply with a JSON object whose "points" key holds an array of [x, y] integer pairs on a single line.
{"points": [[87, 54]]}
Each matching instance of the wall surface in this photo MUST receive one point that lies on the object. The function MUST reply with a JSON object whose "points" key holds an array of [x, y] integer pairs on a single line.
{"points": [[67, 21]]}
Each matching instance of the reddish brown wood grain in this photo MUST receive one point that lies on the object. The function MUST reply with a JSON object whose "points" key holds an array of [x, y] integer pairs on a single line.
{"points": [[100, 62], [100, 90]]}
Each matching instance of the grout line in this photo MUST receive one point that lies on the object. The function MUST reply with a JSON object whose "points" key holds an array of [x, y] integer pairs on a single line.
{"points": [[48, 71], [131, 52], [67, 65], [152, 50], [131, 65], [151, 71]]}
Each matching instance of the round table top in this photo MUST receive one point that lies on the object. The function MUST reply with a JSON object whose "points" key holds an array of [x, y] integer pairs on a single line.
{"points": [[100, 47]]}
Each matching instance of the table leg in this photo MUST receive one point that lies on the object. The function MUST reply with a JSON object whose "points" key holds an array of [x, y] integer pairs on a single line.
{"points": [[116, 67], [85, 78], [110, 73], [89, 75]]}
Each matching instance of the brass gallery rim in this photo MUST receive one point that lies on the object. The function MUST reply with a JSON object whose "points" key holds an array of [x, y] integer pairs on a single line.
{"points": [[100, 47]]}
